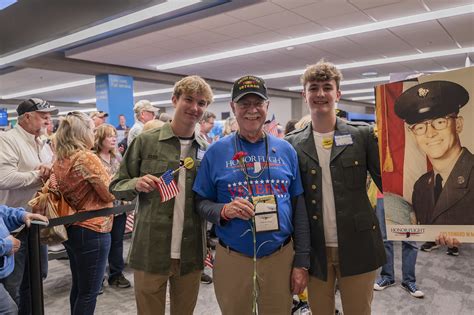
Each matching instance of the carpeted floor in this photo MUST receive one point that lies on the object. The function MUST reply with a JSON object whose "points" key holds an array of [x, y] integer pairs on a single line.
{"points": [[447, 281]]}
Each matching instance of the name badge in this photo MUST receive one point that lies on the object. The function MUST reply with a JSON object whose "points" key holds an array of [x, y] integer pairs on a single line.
{"points": [[200, 154], [341, 140], [266, 213], [257, 167]]}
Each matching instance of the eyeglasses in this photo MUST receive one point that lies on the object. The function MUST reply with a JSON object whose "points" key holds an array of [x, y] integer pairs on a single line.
{"points": [[437, 124], [247, 105]]}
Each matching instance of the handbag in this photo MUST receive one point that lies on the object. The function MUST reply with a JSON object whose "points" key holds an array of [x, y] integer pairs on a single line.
{"points": [[50, 202]]}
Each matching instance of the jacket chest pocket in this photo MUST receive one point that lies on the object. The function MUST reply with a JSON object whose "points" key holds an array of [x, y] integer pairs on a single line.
{"points": [[153, 167], [355, 172]]}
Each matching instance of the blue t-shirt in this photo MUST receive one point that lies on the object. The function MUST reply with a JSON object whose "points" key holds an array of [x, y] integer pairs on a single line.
{"points": [[221, 180]]}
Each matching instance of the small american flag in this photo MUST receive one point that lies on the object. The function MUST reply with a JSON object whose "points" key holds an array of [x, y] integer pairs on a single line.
{"points": [[209, 260], [167, 186], [272, 127], [130, 222]]}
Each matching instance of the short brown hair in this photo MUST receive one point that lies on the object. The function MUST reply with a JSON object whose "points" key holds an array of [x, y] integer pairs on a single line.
{"points": [[193, 84], [207, 115], [321, 71]]}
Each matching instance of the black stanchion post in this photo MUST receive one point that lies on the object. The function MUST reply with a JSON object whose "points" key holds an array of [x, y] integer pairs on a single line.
{"points": [[36, 283]]}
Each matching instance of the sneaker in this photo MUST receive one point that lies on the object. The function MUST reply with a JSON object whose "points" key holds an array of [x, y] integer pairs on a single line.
{"points": [[453, 251], [382, 284], [206, 279], [429, 246], [119, 281], [413, 290]]}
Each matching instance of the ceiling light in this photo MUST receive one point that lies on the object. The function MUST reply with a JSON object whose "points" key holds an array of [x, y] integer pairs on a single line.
{"points": [[380, 61], [161, 102], [370, 74], [109, 26], [137, 94], [362, 98], [428, 16], [153, 92], [360, 91], [49, 88], [348, 82]]}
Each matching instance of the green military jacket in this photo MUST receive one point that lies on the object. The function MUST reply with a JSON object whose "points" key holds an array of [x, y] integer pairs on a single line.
{"points": [[359, 239], [154, 152]]}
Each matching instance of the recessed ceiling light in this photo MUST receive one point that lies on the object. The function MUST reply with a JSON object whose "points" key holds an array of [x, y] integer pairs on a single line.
{"points": [[348, 82], [49, 88], [380, 61], [362, 98], [423, 17], [127, 20], [290, 48], [370, 74]]}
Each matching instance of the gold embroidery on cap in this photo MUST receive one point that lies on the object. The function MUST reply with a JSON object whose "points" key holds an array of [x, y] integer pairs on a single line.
{"points": [[423, 92]]}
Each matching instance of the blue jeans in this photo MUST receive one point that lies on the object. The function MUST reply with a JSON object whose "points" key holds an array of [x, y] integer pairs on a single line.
{"points": [[18, 282], [87, 251], [116, 263], [409, 252], [7, 305]]}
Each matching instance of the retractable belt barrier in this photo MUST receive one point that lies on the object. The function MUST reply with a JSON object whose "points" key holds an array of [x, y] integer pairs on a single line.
{"points": [[36, 283]]}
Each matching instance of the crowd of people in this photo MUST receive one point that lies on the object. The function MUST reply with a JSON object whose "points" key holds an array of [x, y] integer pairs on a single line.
{"points": [[291, 215]]}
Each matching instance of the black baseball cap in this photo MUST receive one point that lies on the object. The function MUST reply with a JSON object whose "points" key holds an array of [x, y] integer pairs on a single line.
{"points": [[249, 84], [430, 100], [36, 105]]}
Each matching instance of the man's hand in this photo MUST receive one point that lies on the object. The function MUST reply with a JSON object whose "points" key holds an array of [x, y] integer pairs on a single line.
{"points": [[16, 244], [299, 280], [44, 171], [147, 183], [443, 239], [34, 216], [238, 208]]}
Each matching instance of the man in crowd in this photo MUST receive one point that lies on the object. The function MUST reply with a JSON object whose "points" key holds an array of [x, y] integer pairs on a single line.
{"points": [[122, 123], [445, 194], [25, 163], [10, 220], [168, 239], [250, 181], [98, 117], [334, 157], [206, 124], [144, 112]]}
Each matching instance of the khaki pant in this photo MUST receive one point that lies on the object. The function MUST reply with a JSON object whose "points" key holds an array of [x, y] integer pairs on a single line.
{"points": [[150, 291], [356, 291], [233, 282]]}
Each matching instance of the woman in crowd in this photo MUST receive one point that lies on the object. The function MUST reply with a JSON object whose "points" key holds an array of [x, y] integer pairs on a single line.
{"points": [[84, 183], [106, 149], [230, 125]]}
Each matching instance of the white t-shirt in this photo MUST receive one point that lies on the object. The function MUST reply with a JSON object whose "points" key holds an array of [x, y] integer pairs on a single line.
{"points": [[178, 211], [329, 207]]}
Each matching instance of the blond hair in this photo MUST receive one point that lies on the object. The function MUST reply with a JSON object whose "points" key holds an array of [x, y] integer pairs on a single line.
{"points": [[74, 134], [102, 132], [321, 71], [193, 85], [228, 125], [152, 124]]}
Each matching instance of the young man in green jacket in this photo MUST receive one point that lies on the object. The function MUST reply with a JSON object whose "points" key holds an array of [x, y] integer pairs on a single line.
{"points": [[334, 157], [167, 243]]}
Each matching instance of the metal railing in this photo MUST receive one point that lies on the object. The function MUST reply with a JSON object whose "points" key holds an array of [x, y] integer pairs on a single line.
{"points": [[36, 282]]}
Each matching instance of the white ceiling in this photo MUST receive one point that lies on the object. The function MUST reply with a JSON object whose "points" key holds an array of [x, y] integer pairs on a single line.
{"points": [[266, 22]]}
